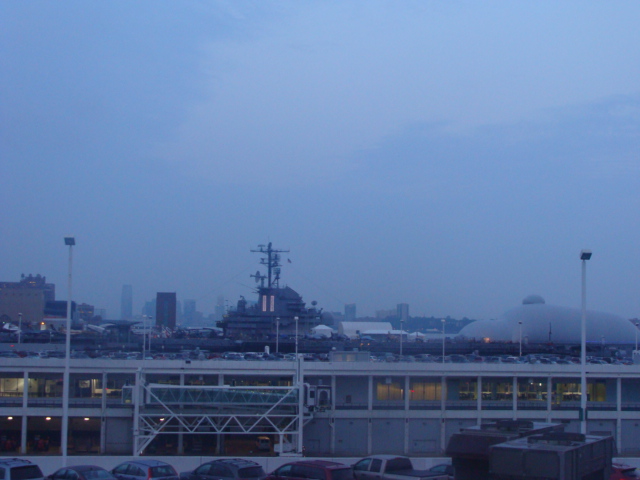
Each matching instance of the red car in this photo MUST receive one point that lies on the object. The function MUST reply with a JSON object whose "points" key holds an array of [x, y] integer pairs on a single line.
{"points": [[620, 471], [312, 470]]}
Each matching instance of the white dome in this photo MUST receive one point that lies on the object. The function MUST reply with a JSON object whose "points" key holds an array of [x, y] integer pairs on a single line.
{"points": [[542, 323], [533, 299]]}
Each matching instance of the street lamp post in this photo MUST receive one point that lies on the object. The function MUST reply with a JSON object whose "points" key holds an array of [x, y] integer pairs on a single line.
{"points": [[20, 329], [277, 334], [296, 319], [443, 338], [637, 335], [520, 325], [584, 256], [298, 375], [70, 242], [401, 329], [149, 335], [144, 336]]}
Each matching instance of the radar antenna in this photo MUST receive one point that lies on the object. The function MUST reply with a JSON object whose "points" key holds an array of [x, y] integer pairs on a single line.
{"points": [[272, 261], [259, 278]]}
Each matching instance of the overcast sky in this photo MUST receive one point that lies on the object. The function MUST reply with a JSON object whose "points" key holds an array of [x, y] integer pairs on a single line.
{"points": [[455, 156]]}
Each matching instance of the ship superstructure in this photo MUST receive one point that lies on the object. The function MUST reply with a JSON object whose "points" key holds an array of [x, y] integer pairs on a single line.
{"points": [[277, 310]]}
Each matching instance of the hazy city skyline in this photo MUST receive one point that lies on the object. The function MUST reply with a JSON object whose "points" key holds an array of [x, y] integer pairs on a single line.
{"points": [[452, 156]]}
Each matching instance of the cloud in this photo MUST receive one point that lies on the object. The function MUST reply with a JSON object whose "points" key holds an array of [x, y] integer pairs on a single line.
{"points": [[317, 83]]}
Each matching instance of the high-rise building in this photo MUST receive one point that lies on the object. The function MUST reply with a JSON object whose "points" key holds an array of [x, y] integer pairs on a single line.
{"points": [[189, 314], [126, 302], [219, 309], [166, 309], [85, 311], [149, 308], [403, 312], [27, 297], [350, 312], [188, 307]]}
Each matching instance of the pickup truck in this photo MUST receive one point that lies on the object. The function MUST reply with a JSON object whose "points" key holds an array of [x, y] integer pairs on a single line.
{"points": [[392, 467]]}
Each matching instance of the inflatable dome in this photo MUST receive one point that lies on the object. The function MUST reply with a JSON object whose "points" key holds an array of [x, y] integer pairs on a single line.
{"points": [[542, 323]]}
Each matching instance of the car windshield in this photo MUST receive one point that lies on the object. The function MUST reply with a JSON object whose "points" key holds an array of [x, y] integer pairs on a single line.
{"points": [[342, 474], [251, 472], [163, 471], [25, 473]]}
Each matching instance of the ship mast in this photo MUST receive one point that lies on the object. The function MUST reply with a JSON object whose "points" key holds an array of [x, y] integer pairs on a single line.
{"points": [[272, 261]]}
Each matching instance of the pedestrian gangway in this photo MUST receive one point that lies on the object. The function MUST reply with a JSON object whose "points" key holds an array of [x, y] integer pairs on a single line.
{"points": [[221, 410], [158, 394]]}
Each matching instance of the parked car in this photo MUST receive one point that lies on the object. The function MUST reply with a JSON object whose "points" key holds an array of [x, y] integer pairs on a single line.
{"points": [[81, 472], [263, 443], [226, 469], [19, 469], [620, 471], [445, 468], [312, 470], [145, 470], [392, 467]]}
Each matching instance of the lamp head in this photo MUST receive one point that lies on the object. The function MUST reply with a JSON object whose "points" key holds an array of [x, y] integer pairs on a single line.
{"points": [[585, 255], [70, 241]]}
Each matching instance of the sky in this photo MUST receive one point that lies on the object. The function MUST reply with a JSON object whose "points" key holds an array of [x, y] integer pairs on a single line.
{"points": [[455, 156]]}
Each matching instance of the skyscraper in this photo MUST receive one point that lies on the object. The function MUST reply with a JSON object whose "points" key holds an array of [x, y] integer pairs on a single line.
{"points": [[149, 308], [188, 311], [350, 312], [219, 309], [126, 302], [403, 312], [188, 308], [166, 309]]}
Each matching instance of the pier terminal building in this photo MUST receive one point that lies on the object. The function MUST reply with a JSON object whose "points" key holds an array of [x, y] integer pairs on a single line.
{"points": [[349, 406]]}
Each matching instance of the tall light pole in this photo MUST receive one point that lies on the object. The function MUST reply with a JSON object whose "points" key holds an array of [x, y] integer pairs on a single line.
{"points": [[20, 330], [520, 325], [637, 335], [401, 329], [70, 242], [298, 377], [296, 319], [584, 256], [277, 334], [443, 338], [149, 317], [144, 336]]}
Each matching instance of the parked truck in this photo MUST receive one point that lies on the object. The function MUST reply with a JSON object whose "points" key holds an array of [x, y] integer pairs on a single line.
{"points": [[391, 467]]}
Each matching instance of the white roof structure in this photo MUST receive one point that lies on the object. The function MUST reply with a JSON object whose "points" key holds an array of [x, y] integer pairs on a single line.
{"points": [[542, 323], [323, 330], [353, 329]]}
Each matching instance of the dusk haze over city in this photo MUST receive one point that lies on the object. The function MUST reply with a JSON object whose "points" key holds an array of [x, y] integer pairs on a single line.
{"points": [[455, 156], [319, 240]]}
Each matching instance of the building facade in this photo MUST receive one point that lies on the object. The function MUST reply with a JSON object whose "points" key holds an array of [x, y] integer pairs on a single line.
{"points": [[166, 307], [350, 312], [371, 407], [27, 297]]}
